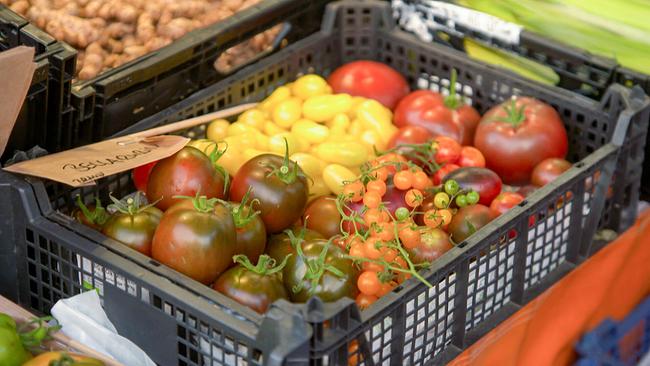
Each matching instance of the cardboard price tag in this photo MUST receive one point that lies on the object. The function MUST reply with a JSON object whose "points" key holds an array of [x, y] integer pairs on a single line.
{"points": [[16, 72], [83, 165]]}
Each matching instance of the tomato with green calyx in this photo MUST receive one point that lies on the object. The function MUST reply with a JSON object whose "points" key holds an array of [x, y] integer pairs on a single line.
{"points": [[433, 243], [442, 116], [58, 358], [251, 233], [93, 215], [279, 245], [370, 79], [133, 223], [186, 173], [517, 135], [323, 216], [467, 221], [321, 269], [197, 238], [254, 286], [277, 185], [16, 342]]}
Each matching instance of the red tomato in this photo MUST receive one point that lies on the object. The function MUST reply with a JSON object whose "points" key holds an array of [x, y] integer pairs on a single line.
{"points": [[442, 172], [323, 216], [471, 156], [438, 114], [505, 201], [370, 79], [410, 135], [482, 180], [141, 176], [517, 135], [447, 150], [548, 170]]}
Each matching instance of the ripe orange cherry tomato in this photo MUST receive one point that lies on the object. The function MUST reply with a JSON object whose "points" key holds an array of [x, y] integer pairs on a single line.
{"points": [[437, 218], [380, 173], [372, 199], [403, 180], [421, 181], [414, 197], [354, 191], [383, 231], [357, 251], [409, 237], [377, 185], [370, 248], [364, 301], [368, 283], [372, 266]]}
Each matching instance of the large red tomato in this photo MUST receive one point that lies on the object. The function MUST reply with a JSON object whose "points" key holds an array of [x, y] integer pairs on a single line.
{"points": [[441, 116], [518, 134], [370, 79]]}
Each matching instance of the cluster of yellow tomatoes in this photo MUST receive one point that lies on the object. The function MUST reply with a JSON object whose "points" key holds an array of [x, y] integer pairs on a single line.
{"points": [[328, 135]]}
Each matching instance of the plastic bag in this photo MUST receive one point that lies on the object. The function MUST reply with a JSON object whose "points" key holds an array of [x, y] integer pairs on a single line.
{"points": [[84, 320]]}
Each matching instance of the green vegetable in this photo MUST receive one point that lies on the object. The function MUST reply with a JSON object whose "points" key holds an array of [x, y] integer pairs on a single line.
{"points": [[617, 29], [15, 343]]}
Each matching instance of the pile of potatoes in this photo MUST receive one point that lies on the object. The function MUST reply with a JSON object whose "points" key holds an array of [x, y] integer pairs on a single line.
{"points": [[109, 33]]}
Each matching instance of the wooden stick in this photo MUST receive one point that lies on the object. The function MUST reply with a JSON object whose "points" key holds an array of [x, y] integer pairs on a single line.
{"points": [[195, 121]]}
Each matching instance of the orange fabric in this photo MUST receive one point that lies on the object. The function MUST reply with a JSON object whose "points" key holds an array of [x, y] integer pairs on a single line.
{"points": [[544, 332]]}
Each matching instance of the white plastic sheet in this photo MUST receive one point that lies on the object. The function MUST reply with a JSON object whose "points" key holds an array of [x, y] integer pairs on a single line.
{"points": [[83, 319]]}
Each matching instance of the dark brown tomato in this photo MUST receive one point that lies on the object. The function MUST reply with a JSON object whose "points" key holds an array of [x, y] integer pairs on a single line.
{"points": [[278, 186], [548, 170], [135, 231], [433, 244], [467, 221], [279, 245], [323, 216], [481, 180], [197, 241], [185, 173], [330, 287], [251, 234], [257, 291]]}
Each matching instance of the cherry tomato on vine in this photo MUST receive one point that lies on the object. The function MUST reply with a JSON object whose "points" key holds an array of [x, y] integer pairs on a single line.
{"points": [[378, 186], [369, 283], [443, 172]]}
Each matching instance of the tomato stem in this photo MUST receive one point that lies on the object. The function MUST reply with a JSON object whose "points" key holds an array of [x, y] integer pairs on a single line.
{"points": [[34, 338], [316, 268], [289, 171], [515, 116], [265, 264], [243, 213], [131, 205], [452, 101], [202, 203], [98, 217], [214, 155]]}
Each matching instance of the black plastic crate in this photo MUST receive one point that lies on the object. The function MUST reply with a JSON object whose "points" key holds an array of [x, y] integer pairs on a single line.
{"points": [[55, 63], [578, 70], [476, 284]]}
